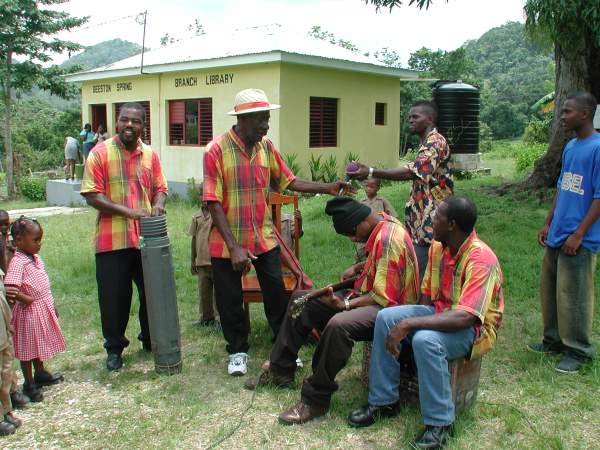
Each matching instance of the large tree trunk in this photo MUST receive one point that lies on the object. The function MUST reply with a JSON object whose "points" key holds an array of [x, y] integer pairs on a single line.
{"points": [[575, 71], [6, 92]]}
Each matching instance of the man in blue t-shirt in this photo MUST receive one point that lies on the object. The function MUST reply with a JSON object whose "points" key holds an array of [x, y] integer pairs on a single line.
{"points": [[571, 236]]}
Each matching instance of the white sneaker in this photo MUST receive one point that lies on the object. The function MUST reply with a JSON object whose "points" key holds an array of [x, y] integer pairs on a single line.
{"points": [[238, 364], [299, 363]]}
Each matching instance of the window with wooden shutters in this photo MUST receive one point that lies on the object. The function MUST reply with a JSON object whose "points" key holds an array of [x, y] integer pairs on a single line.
{"points": [[323, 122], [380, 113], [190, 121], [145, 137]]}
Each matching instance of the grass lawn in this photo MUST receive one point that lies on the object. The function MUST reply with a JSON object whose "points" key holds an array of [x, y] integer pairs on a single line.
{"points": [[522, 403]]}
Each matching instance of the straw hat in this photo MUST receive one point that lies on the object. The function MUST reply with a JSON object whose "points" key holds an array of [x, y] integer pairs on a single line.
{"points": [[250, 101]]}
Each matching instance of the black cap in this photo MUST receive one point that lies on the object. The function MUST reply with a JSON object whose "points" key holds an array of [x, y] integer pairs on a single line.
{"points": [[346, 214]]}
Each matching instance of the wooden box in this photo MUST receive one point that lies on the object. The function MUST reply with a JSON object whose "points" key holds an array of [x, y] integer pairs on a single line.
{"points": [[464, 378]]}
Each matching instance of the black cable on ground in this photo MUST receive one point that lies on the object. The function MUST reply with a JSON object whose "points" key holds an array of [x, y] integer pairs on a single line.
{"points": [[237, 427]]}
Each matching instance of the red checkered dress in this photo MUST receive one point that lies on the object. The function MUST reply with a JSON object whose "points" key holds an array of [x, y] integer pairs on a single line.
{"points": [[37, 332]]}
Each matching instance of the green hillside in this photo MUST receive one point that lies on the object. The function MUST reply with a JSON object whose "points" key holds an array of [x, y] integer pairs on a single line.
{"points": [[104, 53]]}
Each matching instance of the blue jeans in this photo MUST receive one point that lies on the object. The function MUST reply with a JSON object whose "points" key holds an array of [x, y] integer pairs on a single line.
{"points": [[432, 351]]}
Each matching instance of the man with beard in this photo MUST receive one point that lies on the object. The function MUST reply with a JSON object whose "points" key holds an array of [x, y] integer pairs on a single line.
{"points": [[430, 173], [124, 181], [241, 167], [459, 314]]}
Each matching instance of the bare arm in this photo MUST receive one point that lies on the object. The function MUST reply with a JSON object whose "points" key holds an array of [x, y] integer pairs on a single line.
{"points": [[14, 294], [158, 205], [312, 187], [338, 304], [543, 233], [103, 204], [240, 257], [399, 173], [574, 241], [452, 320]]}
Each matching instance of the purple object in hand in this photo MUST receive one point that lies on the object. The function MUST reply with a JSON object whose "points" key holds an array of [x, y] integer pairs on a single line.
{"points": [[352, 167]]}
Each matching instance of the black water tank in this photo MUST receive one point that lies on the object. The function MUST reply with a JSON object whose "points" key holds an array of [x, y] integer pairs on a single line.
{"points": [[458, 114]]}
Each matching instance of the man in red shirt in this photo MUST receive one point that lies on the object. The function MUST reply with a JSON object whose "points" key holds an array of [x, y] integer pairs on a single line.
{"points": [[388, 277], [240, 168], [124, 181]]}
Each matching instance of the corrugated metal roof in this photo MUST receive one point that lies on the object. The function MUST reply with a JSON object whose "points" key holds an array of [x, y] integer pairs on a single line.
{"points": [[220, 48]]}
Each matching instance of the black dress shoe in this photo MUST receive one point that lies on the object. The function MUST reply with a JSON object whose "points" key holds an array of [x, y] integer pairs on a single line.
{"points": [[365, 416], [18, 399], [6, 428], [433, 437], [114, 361], [33, 392], [47, 379]]}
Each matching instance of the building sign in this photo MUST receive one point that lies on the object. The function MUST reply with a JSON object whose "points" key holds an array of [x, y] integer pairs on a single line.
{"points": [[108, 88], [186, 82], [101, 88], [219, 78]]}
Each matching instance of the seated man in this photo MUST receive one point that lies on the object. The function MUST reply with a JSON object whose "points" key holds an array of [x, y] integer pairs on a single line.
{"points": [[388, 277], [460, 312]]}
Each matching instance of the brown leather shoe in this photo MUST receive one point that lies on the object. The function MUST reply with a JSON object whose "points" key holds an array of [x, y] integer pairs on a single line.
{"points": [[268, 378], [301, 413]]}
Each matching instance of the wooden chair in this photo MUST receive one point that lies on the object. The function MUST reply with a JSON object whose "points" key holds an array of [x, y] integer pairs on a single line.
{"points": [[251, 292]]}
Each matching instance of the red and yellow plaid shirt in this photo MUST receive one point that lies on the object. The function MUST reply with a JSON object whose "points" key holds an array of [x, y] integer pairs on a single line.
{"points": [[127, 178], [470, 281], [241, 183], [390, 275]]}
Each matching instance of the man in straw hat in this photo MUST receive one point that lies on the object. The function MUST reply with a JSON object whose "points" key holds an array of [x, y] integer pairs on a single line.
{"points": [[389, 277], [240, 168]]}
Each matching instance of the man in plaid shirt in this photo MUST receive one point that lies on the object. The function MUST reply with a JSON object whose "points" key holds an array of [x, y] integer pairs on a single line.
{"points": [[388, 277], [123, 180], [240, 168], [459, 316]]}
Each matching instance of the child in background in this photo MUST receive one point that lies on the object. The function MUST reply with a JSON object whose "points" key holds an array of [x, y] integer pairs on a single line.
{"points": [[8, 421], [201, 265], [37, 334], [377, 204]]}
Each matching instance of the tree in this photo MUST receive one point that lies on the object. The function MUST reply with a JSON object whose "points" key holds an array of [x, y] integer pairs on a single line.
{"points": [[196, 28], [317, 32], [27, 30], [572, 27]]}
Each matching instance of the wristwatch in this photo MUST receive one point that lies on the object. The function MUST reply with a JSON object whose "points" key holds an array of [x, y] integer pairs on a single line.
{"points": [[370, 173], [347, 303]]}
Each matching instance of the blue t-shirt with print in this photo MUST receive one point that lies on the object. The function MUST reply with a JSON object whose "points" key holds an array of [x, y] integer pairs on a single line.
{"points": [[578, 185]]}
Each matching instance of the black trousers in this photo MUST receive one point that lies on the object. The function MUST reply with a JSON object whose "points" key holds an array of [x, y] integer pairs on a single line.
{"points": [[228, 293], [115, 272], [340, 331]]}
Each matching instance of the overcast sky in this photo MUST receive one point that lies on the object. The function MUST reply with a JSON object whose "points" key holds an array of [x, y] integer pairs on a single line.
{"points": [[446, 25]]}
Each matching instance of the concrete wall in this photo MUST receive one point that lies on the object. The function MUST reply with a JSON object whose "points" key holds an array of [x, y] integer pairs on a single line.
{"points": [[357, 132]]}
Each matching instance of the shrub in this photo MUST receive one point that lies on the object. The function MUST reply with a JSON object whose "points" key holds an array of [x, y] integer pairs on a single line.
{"points": [[193, 192], [537, 131], [316, 168], [528, 155], [34, 188], [349, 158], [291, 160], [330, 169]]}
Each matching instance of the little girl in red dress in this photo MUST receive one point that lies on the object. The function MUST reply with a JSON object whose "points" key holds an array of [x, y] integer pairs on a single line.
{"points": [[37, 335]]}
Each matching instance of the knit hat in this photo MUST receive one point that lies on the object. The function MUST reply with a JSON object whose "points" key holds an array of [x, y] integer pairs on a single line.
{"points": [[346, 214]]}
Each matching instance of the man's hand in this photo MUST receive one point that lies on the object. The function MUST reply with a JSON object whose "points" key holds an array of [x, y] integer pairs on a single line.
{"points": [[333, 301], [360, 174], [543, 235], [397, 335], [351, 271], [137, 213], [340, 188], [572, 244], [241, 259], [158, 210]]}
